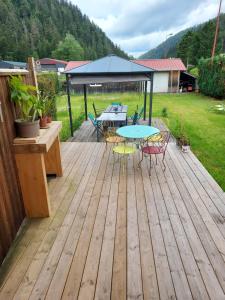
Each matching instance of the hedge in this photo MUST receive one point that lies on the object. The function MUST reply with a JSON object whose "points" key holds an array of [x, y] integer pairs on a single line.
{"points": [[212, 76], [48, 85]]}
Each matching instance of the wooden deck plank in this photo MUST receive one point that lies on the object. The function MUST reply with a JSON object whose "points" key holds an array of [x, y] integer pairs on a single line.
{"points": [[164, 279], [149, 278], [73, 266], [134, 275], [104, 280], [176, 216], [201, 243], [118, 233], [87, 287]]}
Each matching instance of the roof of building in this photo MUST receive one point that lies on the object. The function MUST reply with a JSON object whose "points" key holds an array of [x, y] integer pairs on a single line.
{"points": [[16, 63], [51, 61], [74, 64], [5, 65], [164, 64], [167, 64], [110, 64]]}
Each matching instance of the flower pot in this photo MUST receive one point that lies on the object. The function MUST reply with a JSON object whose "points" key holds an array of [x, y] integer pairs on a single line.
{"points": [[49, 119], [27, 129], [185, 148], [43, 122]]}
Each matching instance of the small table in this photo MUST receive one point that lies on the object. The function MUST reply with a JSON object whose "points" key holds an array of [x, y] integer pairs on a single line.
{"points": [[137, 131], [34, 159]]}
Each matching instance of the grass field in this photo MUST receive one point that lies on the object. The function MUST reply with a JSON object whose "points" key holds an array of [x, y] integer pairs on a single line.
{"points": [[205, 129]]}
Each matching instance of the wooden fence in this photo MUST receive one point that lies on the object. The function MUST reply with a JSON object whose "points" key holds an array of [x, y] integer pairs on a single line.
{"points": [[11, 204]]}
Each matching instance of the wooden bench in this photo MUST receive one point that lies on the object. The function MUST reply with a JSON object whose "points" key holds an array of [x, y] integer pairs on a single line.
{"points": [[36, 157]]}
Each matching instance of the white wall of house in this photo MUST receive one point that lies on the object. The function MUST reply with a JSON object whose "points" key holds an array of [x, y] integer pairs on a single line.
{"points": [[161, 82]]}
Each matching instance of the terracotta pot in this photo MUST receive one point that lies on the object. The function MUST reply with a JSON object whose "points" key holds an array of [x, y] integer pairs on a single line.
{"points": [[27, 129], [43, 122], [49, 119]]}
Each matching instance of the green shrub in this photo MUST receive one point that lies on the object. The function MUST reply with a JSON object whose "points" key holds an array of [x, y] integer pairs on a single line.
{"points": [[212, 76], [164, 112], [48, 85]]}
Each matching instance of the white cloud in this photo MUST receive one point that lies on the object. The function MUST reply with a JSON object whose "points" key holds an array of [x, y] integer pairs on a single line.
{"points": [[137, 26]]}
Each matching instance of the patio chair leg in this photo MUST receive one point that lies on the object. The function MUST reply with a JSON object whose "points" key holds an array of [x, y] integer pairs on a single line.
{"points": [[156, 159]]}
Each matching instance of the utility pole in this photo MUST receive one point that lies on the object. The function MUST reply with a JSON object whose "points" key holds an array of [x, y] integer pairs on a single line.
{"points": [[216, 32]]}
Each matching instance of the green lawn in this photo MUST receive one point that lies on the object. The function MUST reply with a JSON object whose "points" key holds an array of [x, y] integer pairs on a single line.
{"points": [[205, 128]]}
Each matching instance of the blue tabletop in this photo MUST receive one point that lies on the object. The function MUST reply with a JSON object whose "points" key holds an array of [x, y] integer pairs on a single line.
{"points": [[137, 131]]}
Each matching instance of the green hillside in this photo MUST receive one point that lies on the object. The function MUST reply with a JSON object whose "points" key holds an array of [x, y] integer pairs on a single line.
{"points": [[192, 43], [35, 27], [165, 49]]}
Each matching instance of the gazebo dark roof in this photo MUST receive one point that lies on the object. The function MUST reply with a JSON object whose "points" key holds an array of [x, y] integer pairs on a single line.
{"points": [[110, 65]]}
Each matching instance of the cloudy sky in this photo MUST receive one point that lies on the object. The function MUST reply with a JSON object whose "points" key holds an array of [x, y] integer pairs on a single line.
{"points": [[139, 25]]}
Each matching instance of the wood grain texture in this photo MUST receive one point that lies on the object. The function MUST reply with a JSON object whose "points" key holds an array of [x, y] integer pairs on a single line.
{"points": [[117, 233]]}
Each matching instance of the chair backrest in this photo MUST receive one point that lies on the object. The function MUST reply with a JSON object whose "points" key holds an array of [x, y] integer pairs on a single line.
{"points": [[164, 140], [95, 111], [135, 118], [92, 118], [116, 103], [140, 113]]}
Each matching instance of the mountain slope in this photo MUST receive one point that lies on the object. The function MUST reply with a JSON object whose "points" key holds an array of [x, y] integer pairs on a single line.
{"points": [[199, 38], [167, 48], [34, 28]]}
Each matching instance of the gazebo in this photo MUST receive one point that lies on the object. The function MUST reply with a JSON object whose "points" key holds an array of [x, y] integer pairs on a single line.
{"points": [[108, 69]]}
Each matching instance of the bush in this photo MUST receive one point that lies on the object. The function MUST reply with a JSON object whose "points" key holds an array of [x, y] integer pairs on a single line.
{"points": [[48, 85], [164, 112], [212, 76]]}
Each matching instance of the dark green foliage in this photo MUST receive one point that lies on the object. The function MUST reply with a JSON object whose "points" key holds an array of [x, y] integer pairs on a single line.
{"points": [[164, 112], [212, 76], [69, 49], [48, 85], [35, 27]]}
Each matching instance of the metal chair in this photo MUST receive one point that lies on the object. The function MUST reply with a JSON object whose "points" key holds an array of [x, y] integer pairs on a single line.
{"points": [[116, 103], [112, 138], [97, 124], [155, 145], [96, 111]]}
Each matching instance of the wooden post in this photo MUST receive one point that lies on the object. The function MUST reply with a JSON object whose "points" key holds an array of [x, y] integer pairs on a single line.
{"points": [[32, 72], [145, 98], [69, 103], [85, 101], [150, 101]]}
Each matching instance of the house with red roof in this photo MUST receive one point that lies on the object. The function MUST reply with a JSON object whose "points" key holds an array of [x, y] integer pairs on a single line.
{"points": [[170, 74], [167, 74], [51, 65]]}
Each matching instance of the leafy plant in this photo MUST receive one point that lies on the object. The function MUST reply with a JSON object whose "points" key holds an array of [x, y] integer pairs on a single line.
{"points": [[180, 134], [24, 96], [164, 112]]}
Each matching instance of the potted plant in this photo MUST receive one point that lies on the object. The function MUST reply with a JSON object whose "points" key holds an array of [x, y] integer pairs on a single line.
{"points": [[184, 143], [28, 107], [43, 109], [182, 140]]}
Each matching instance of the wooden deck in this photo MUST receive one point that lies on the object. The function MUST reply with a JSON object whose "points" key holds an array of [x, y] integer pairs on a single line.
{"points": [[87, 133], [118, 233]]}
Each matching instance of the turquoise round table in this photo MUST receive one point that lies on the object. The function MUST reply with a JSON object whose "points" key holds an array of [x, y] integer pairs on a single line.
{"points": [[137, 131]]}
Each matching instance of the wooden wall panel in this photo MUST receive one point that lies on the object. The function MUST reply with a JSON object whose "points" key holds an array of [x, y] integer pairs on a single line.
{"points": [[11, 204]]}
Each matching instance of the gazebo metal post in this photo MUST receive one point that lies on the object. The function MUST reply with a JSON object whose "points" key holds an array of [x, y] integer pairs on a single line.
{"points": [[145, 98], [85, 101], [69, 103], [150, 100]]}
